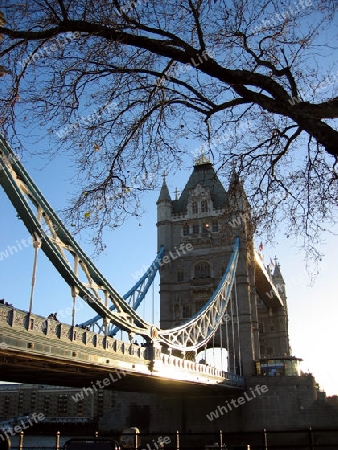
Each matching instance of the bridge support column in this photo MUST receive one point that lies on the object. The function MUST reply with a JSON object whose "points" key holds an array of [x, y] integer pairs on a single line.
{"points": [[245, 284], [153, 354]]}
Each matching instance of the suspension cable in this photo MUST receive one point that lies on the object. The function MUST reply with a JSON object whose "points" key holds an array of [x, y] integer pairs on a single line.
{"points": [[227, 343], [36, 245], [238, 340], [233, 333], [153, 303], [221, 342]]}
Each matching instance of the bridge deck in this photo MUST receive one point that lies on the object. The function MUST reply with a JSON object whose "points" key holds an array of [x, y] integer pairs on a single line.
{"points": [[34, 349]]}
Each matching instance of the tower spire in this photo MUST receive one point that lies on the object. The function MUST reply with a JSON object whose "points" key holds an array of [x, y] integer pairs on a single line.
{"points": [[164, 193], [202, 159]]}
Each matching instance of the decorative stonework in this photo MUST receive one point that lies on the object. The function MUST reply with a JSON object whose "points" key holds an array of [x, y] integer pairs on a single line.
{"points": [[197, 196], [20, 318], [4, 316], [52, 325]]}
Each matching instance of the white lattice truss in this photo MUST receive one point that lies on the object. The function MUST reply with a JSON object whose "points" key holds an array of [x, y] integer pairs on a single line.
{"points": [[196, 332]]}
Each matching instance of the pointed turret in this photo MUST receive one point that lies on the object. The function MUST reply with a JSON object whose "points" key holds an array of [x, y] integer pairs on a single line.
{"points": [[164, 193], [278, 280], [237, 195], [277, 273], [239, 210], [164, 216], [282, 313]]}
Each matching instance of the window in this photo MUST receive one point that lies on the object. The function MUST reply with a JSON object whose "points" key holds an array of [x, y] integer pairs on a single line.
{"points": [[20, 406], [215, 227], [47, 404], [6, 406], [80, 408], [186, 230], [100, 401], [33, 400], [202, 270], [186, 312], [200, 304], [62, 403], [195, 228], [180, 275], [194, 208], [204, 206], [205, 229]]}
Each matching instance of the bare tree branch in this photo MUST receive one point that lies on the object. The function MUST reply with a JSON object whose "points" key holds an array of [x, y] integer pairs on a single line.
{"points": [[121, 85]]}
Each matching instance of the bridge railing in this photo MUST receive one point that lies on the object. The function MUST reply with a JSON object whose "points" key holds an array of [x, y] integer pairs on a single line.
{"points": [[54, 329], [175, 361], [51, 328]]}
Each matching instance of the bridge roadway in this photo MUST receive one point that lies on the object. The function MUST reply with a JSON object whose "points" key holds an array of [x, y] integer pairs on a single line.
{"points": [[37, 350]]}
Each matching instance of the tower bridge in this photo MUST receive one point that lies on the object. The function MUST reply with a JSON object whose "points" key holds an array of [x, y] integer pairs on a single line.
{"points": [[217, 294]]}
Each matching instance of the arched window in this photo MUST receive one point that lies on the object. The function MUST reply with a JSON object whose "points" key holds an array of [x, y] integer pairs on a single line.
{"points": [[200, 304], [215, 226], [195, 228], [204, 206], [186, 312], [202, 270], [194, 208]]}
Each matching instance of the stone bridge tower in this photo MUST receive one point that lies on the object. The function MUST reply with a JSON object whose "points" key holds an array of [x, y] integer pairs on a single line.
{"points": [[198, 231]]}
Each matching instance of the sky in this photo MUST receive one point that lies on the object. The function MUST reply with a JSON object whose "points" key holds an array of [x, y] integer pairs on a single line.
{"points": [[313, 310]]}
